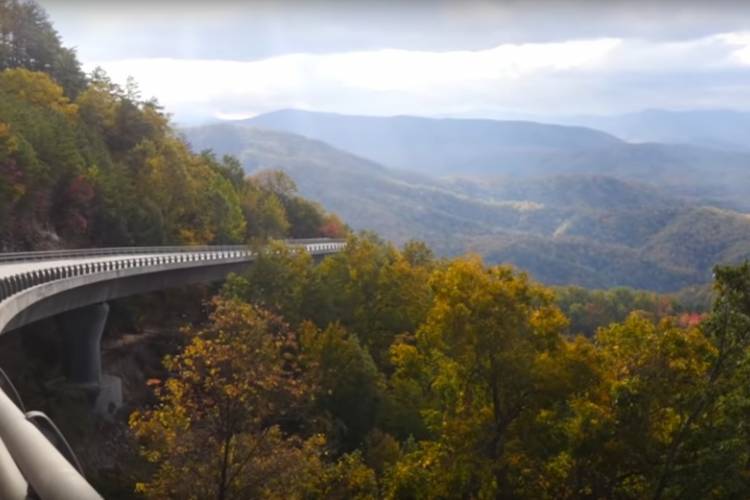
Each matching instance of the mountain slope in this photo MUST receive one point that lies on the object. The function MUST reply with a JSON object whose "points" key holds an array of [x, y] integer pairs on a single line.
{"points": [[583, 262], [589, 230], [491, 149], [366, 195], [679, 250]]}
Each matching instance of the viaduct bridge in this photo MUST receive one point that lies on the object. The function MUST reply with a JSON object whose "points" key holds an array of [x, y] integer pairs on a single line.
{"points": [[75, 286]]}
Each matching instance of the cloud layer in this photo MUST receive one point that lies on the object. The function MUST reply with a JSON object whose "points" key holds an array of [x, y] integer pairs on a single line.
{"points": [[470, 58], [258, 29], [577, 76]]}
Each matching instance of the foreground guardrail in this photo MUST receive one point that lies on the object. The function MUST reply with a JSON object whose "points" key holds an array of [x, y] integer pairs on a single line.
{"points": [[48, 472]]}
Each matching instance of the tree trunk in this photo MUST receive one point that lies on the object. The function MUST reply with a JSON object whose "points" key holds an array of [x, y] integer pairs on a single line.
{"points": [[223, 486]]}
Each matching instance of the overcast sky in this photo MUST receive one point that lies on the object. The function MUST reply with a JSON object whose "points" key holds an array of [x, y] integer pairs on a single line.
{"points": [[208, 60]]}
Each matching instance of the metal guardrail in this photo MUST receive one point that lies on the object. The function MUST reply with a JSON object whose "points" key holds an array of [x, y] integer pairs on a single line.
{"points": [[36, 460], [25, 453]]}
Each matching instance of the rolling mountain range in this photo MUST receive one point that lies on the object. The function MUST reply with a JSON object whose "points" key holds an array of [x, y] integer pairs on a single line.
{"points": [[599, 212], [439, 146], [493, 149]]}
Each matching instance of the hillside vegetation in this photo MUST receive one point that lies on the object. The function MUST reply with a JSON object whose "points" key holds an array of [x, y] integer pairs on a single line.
{"points": [[366, 194], [592, 230], [84, 162], [399, 376]]}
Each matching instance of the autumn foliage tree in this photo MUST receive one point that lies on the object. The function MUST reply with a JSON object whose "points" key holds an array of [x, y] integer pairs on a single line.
{"points": [[108, 169], [223, 427], [479, 358], [88, 162], [348, 386], [483, 392], [219, 414]]}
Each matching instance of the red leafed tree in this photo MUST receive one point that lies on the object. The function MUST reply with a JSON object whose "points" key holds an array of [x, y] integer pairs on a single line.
{"points": [[690, 319], [78, 200], [332, 227]]}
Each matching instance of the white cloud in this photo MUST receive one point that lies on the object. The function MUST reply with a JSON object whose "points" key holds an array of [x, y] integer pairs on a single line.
{"points": [[741, 43], [302, 80], [575, 76], [401, 70]]}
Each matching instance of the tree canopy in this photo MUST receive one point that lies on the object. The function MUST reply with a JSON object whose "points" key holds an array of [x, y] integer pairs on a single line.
{"points": [[470, 384], [107, 169]]}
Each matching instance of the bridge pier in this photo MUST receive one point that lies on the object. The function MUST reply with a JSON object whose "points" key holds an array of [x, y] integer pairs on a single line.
{"points": [[82, 331]]}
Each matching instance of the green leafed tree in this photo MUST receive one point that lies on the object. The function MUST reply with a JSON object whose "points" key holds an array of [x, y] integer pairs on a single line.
{"points": [[28, 40]]}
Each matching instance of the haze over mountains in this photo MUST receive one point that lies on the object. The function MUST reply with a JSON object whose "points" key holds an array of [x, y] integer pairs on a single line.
{"points": [[439, 146], [719, 129], [570, 204]]}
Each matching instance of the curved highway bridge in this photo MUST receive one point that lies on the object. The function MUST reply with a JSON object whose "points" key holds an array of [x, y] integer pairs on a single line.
{"points": [[75, 285]]}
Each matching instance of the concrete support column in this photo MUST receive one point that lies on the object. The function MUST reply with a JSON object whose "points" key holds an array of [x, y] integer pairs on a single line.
{"points": [[82, 331]]}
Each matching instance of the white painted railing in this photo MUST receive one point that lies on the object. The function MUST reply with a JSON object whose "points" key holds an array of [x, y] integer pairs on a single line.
{"points": [[91, 262]]}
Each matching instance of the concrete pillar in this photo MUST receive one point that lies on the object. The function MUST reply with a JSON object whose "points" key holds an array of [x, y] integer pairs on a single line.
{"points": [[82, 331]]}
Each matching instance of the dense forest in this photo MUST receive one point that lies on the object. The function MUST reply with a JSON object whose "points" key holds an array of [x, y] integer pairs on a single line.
{"points": [[386, 373], [379, 372], [85, 162]]}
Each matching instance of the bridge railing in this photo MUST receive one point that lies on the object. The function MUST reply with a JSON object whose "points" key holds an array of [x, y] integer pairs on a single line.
{"points": [[7, 257], [132, 257]]}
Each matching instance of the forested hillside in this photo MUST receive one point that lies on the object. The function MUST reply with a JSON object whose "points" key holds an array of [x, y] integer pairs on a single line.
{"points": [[590, 230], [85, 162], [367, 195]]}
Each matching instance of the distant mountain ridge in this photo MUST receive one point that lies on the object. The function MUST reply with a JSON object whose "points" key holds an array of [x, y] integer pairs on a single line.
{"points": [[435, 146], [516, 149], [572, 228]]}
